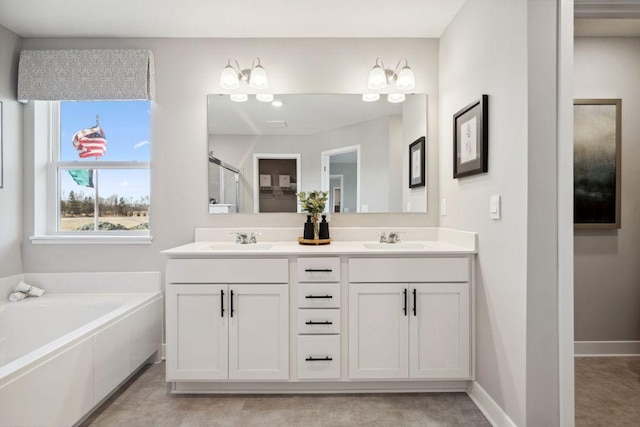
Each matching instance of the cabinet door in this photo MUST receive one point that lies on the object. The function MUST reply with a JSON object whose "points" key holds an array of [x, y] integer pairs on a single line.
{"points": [[197, 332], [378, 331], [259, 332], [439, 331]]}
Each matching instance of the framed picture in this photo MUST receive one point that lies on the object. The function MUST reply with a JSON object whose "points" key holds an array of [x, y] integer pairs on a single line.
{"points": [[1, 155], [596, 163], [416, 163], [471, 139]]}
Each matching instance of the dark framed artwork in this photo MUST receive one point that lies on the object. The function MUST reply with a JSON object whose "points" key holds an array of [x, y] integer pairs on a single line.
{"points": [[471, 139], [416, 163], [596, 163]]}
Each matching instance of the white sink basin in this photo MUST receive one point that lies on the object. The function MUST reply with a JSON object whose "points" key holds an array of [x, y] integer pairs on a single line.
{"points": [[239, 247], [393, 246]]}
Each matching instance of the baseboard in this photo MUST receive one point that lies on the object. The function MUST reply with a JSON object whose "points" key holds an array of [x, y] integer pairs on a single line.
{"points": [[606, 348], [489, 408]]}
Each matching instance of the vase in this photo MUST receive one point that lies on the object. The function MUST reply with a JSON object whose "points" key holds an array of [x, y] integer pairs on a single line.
{"points": [[316, 226]]}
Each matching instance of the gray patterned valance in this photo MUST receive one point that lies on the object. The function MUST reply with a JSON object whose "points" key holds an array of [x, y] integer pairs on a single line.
{"points": [[87, 74]]}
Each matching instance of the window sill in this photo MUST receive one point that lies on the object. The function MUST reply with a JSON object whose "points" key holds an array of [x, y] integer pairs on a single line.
{"points": [[90, 240]]}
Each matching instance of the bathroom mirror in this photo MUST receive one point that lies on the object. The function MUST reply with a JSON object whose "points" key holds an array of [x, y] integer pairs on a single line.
{"points": [[261, 154]]}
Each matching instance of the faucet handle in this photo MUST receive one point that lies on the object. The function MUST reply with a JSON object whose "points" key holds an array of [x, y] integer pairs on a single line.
{"points": [[383, 237], [394, 236], [253, 237], [241, 238]]}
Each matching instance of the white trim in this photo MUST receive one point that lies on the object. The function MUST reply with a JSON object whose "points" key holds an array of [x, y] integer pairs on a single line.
{"points": [[256, 175], [489, 408], [90, 240], [607, 348]]}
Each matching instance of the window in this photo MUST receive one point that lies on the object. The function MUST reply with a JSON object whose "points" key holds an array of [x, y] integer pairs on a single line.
{"points": [[98, 179]]}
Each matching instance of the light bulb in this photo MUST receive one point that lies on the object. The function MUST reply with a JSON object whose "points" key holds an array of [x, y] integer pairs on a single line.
{"points": [[229, 78], [239, 97], [395, 98], [258, 78], [377, 78], [370, 97], [406, 80], [264, 97], [277, 103]]}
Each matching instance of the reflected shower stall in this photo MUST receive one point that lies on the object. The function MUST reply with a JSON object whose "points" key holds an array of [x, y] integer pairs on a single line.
{"points": [[224, 187]]}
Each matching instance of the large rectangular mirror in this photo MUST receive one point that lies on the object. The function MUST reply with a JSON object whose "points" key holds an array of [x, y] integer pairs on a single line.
{"points": [[261, 154]]}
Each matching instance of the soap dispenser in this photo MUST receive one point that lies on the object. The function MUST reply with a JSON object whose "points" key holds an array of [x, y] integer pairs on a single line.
{"points": [[323, 233], [308, 229]]}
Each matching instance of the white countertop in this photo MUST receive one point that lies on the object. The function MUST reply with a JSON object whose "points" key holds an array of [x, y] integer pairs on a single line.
{"points": [[215, 248]]}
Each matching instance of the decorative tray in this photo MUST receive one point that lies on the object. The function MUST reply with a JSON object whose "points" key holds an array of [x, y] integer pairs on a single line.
{"points": [[304, 241]]}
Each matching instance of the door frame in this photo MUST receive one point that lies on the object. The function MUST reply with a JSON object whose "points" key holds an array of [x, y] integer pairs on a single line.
{"points": [[325, 177]]}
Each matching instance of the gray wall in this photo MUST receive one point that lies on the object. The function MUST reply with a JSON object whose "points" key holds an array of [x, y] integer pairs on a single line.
{"points": [[607, 267], [11, 136], [186, 71]]}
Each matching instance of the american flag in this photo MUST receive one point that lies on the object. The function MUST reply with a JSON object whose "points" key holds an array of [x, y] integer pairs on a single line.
{"points": [[90, 142]]}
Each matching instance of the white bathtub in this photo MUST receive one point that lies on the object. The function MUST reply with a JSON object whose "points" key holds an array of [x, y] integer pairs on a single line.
{"points": [[61, 355]]}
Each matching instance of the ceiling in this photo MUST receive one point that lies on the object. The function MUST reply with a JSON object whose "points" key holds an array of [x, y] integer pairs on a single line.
{"points": [[234, 19]]}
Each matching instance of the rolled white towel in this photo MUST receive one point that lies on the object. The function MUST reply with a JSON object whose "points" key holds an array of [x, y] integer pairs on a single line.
{"points": [[17, 296], [32, 291]]}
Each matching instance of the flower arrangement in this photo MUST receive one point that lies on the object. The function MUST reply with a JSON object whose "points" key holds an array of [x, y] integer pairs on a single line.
{"points": [[314, 204]]}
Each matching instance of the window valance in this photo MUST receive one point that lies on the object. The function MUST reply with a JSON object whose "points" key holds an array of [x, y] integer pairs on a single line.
{"points": [[86, 74]]}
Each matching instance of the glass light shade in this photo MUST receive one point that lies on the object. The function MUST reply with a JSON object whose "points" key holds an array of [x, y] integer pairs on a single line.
{"points": [[258, 78], [406, 80], [395, 98], [277, 103], [377, 78], [229, 78], [370, 97], [239, 97], [264, 97]]}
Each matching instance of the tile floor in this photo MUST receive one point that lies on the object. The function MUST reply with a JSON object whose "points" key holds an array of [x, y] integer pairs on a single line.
{"points": [[607, 391], [144, 401]]}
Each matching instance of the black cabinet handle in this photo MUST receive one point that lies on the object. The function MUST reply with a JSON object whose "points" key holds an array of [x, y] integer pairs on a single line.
{"points": [[221, 303], [405, 301], [316, 359], [311, 322], [318, 270], [231, 303], [414, 302], [318, 296]]}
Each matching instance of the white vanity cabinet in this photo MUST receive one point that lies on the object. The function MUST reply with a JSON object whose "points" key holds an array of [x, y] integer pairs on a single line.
{"points": [[409, 318], [227, 319]]}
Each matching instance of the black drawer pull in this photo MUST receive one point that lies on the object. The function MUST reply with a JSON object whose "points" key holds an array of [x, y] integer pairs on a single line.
{"points": [[319, 359], [221, 303], [311, 322], [231, 304], [318, 296], [318, 270], [415, 302]]}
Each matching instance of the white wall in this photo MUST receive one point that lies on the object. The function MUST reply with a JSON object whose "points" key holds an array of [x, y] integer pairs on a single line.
{"points": [[11, 193], [186, 71], [607, 271], [484, 51]]}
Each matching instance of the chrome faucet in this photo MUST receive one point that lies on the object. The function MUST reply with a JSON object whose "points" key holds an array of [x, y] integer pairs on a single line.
{"points": [[244, 239], [394, 237], [383, 237]]}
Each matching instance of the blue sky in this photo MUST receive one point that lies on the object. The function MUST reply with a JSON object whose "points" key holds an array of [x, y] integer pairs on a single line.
{"points": [[127, 129]]}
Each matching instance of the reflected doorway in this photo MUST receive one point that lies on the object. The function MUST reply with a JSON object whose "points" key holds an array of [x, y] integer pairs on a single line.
{"points": [[275, 183], [341, 172]]}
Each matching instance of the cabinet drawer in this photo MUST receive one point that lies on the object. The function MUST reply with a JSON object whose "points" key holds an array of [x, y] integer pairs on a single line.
{"points": [[321, 295], [319, 321], [318, 356], [372, 270], [222, 270], [319, 269]]}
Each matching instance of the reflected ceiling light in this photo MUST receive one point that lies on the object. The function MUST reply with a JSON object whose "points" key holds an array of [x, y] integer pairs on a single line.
{"points": [[232, 75], [239, 97], [395, 98], [277, 103], [370, 97], [264, 97], [380, 77]]}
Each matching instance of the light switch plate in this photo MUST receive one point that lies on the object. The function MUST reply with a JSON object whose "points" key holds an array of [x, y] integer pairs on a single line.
{"points": [[443, 207], [494, 206]]}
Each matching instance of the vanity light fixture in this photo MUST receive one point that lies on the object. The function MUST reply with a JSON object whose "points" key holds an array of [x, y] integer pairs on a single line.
{"points": [[395, 98], [264, 97], [239, 97], [379, 76], [255, 77], [370, 97]]}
